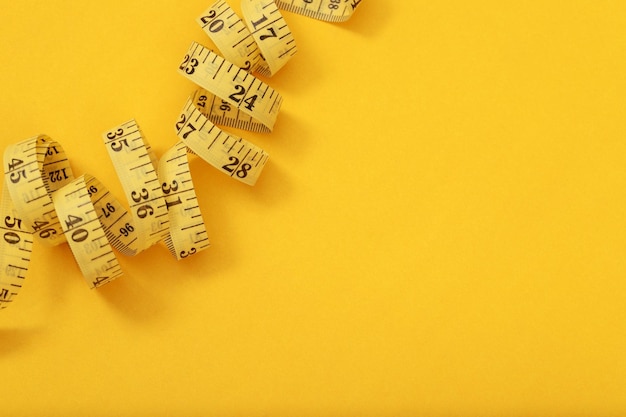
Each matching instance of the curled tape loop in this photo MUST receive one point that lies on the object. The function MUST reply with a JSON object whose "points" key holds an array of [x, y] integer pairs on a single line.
{"points": [[233, 84], [42, 200], [232, 155]]}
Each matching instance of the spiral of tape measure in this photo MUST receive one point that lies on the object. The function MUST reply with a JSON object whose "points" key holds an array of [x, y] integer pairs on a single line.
{"points": [[42, 199]]}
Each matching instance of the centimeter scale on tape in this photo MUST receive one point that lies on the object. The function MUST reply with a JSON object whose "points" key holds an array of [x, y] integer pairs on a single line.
{"points": [[43, 200]]}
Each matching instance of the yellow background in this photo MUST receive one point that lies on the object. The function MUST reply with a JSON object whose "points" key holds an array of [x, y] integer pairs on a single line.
{"points": [[440, 229]]}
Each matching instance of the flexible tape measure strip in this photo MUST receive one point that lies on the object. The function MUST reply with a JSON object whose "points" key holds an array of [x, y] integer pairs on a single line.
{"points": [[222, 113], [327, 10], [270, 31], [264, 48], [84, 232], [232, 37], [161, 196], [36, 167], [232, 155], [15, 251], [231, 83], [137, 171], [180, 197], [42, 200]]}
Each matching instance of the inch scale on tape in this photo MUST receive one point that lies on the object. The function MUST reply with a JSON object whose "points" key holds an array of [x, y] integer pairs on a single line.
{"points": [[264, 48], [222, 113], [37, 167], [232, 155], [327, 10], [182, 204], [232, 37], [233, 84], [135, 166], [42, 200], [84, 232], [270, 31], [15, 250]]}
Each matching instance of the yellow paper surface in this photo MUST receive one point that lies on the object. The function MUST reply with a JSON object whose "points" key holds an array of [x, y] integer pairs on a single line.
{"points": [[440, 228]]}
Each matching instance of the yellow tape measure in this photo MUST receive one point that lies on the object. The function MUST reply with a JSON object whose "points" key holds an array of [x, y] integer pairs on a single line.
{"points": [[234, 156], [42, 200], [263, 49], [233, 84], [328, 10]]}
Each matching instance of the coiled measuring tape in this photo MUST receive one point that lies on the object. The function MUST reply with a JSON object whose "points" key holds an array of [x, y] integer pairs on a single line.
{"points": [[43, 200]]}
